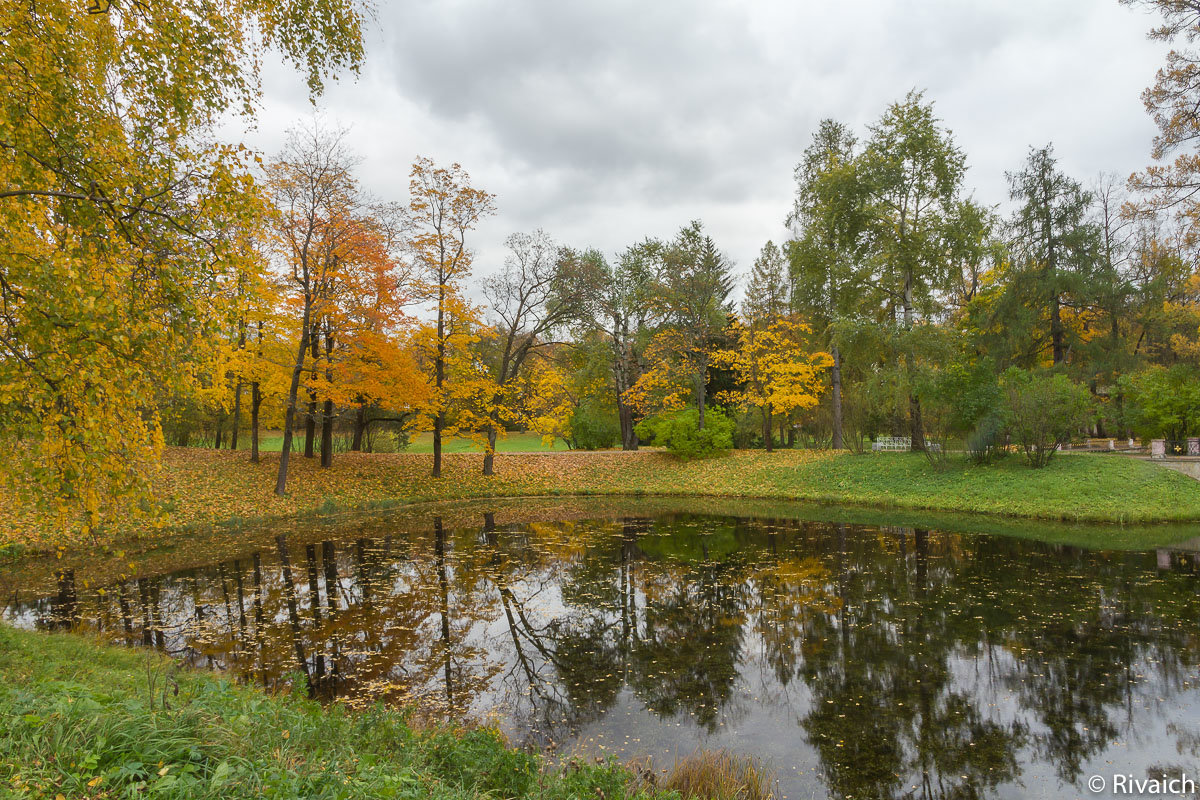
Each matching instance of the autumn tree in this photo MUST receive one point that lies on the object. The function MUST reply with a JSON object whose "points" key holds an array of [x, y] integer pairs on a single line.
{"points": [[826, 258], [692, 289], [1173, 102], [316, 198], [116, 205], [775, 369], [532, 297], [1054, 242], [768, 294], [913, 174], [618, 307], [443, 210]]}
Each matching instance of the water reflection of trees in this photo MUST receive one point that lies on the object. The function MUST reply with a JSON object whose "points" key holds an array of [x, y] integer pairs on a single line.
{"points": [[890, 646]]}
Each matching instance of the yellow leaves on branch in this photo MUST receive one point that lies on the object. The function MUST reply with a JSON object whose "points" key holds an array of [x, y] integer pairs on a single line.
{"points": [[774, 365]]}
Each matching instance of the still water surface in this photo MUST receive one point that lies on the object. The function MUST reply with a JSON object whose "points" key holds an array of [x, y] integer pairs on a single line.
{"points": [[866, 662]]}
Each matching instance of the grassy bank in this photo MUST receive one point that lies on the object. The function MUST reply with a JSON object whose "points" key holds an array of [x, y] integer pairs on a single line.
{"points": [[201, 487], [84, 720]]}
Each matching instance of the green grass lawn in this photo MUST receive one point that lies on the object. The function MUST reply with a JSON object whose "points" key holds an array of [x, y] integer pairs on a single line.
{"points": [[272, 442], [1088, 487], [85, 720]]}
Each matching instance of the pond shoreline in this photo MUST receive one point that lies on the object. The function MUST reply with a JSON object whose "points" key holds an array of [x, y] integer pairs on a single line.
{"points": [[209, 490]]}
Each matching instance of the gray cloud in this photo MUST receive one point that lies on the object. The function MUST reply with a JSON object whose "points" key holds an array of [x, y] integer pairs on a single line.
{"points": [[607, 122]]}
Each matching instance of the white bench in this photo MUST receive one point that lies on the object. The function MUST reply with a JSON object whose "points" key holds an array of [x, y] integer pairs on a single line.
{"points": [[899, 444]]}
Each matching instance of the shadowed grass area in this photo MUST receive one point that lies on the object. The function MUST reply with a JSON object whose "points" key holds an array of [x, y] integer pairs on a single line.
{"points": [[83, 720]]}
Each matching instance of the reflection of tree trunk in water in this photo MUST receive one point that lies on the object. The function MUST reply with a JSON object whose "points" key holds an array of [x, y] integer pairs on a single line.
{"points": [[258, 617], [289, 594], [329, 559], [843, 582], [241, 601], [329, 562], [228, 609], [314, 602], [156, 610], [144, 597], [364, 579], [126, 617], [921, 545], [198, 612], [439, 549], [66, 613]]}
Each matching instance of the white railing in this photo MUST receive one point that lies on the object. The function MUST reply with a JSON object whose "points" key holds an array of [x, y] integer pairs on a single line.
{"points": [[891, 443]]}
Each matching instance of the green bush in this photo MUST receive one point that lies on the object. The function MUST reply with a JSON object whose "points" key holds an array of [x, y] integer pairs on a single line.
{"points": [[679, 432], [1164, 402], [1043, 411], [594, 428]]}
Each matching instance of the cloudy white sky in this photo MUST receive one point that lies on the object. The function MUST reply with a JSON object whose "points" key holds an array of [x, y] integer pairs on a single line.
{"points": [[606, 122]]}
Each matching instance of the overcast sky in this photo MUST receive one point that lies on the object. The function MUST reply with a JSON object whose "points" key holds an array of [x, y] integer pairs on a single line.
{"points": [[606, 122]]}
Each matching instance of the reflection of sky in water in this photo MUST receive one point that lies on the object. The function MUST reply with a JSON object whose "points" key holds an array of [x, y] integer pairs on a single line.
{"points": [[865, 661]]}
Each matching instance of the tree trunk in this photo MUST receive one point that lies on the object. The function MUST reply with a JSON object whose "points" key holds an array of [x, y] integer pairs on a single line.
{"points": [[289, 418], [1057, 333], [255, 404], [220, 437], [360, 427], [237, 416], [700, 398], [489, 457], [916, 429], [439, 370], [327, 435], [835, 381], [327, 415], [768, 434], [629, 439], [310, 424]]}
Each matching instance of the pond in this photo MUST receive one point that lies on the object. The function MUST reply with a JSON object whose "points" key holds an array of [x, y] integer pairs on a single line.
{"points": [[859, 660]]}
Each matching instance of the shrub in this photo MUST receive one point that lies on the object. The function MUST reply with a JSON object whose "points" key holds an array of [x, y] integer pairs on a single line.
{"points": [[1043, 412], [679, 433], [593, 428], [1164, 402]]}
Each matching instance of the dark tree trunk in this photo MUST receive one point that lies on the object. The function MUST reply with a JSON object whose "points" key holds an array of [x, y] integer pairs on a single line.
{"points": [[629, 439], [768, 434], [360, 428], [310, 422], [489, 457], [439, 369], [220, 437], [327, 436], [327, 411], [289, 419], [255, 404], [237, 416], [835, 386], [916, 429]]}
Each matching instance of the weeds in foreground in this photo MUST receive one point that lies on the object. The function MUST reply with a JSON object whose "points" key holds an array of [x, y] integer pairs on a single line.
{"points": [[714, 775]]}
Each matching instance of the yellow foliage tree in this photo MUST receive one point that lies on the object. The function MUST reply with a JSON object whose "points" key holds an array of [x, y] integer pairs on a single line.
{"points": [[119, 221], [777, 372]]}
